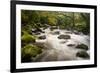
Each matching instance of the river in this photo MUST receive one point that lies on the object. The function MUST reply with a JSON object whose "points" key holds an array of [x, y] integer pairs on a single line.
{"points": [[58, 49]]}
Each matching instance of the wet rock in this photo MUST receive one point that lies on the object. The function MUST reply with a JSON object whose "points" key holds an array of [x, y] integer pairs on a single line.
{"points": [[37, 33], [56, 33], [45, 27], [82, 46], [37, 30], [83, 54], [71, 45], [33, 30], [43, 31], [64, 37], [42, 37]]}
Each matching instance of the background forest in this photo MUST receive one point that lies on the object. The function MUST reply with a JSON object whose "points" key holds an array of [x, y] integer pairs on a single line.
{"points": [[37, 21]]}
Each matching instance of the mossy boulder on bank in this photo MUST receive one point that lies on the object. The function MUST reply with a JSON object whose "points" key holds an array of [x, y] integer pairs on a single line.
{"points": [[30, 51], [27, 38], [83, 54], [82, 46]]}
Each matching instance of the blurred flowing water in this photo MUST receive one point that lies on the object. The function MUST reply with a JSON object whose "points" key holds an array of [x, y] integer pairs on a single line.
{"points": [[58, 49]]}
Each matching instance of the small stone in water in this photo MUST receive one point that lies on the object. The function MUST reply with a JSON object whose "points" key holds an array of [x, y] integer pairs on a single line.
{"points": [[42, 37], [70, 45], [64, 37], [37, 33]]}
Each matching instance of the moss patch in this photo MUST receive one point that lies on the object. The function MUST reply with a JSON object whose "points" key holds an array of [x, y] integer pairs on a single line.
{"points": [[30, 51], [27, 38]]}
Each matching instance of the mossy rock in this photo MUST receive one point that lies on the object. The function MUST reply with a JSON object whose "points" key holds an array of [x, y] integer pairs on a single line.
{"points": [[82, 46], [83, 54], [30, 51], [27, 38]]}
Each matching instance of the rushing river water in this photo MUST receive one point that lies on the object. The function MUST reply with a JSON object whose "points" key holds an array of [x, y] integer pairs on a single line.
{"points": [[58, 49]]}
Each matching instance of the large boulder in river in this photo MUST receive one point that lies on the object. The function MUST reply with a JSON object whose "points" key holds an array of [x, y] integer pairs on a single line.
{"points": [[42, 37], [82, 46], [64, 37], [82, 54]]}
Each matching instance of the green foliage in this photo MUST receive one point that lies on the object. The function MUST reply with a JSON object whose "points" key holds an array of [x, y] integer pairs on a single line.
{"points": [[82, 28], [65, 20], [52, 21], [30, 51]]}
